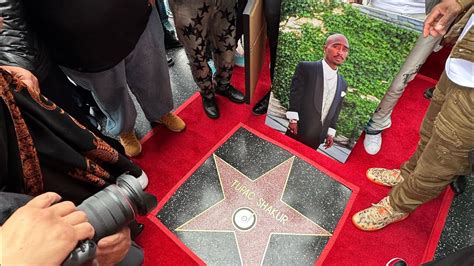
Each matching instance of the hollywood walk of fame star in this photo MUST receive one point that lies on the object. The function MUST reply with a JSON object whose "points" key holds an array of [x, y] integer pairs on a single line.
{"points": [[253, 210]]}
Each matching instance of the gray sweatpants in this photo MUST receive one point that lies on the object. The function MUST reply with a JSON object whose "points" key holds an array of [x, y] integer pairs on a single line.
{"points": [[381, 119], [144, 71]]}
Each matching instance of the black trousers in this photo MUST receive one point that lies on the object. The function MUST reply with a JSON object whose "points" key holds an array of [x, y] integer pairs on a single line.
{"points": [[271, 9]]}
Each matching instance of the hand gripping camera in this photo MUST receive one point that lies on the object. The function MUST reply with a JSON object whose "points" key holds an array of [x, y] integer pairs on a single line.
{"points": [[108, 211]]}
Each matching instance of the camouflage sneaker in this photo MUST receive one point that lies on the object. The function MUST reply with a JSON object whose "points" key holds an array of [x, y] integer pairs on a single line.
{"points": [[172, 122], [131, 144], [384, 177], [378, 216]]}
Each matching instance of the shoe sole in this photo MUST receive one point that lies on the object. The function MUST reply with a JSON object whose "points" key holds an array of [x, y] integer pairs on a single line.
{"points": [[212, 117], [254, 113], [172, 130], [134, 155], [231, 99], [368, 230]]}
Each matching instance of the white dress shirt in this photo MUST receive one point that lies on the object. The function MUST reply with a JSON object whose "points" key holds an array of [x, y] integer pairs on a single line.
{"points": [[461, 71], [401, 6]]}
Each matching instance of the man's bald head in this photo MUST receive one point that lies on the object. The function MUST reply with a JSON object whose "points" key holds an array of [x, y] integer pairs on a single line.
{"points": [[336, 50], [339, 38]]}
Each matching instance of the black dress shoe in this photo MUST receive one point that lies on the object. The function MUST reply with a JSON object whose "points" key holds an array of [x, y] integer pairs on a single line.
{"points": [[459, 185], [170, 61], [232, 93], [171, 41], [429, 93], [262, 106], [210, 107]]}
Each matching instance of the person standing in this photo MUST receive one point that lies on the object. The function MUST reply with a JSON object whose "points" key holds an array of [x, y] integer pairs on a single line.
{"points": [[316, 95], [109, 47], [446, 133], [424, 46], [198, 24]]}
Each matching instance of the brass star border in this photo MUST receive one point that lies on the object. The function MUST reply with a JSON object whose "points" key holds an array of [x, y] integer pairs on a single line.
{"points": [[263, 196]]}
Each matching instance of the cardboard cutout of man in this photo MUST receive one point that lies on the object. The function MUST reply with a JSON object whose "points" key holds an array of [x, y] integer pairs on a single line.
{"points": [[316, 95]]}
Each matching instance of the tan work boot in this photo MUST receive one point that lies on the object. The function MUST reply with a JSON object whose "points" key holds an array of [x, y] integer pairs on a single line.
{"points": [[131, 144], [378, 216], [384, 177], [172, 122]]}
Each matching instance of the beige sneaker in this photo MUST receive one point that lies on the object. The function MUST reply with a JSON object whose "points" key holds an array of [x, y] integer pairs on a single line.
{"points": [[172, 122], [378, 216], [131, 144], [384, 177]]}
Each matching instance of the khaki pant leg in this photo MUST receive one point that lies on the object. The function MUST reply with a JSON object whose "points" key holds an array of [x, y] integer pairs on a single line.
{"points": [[426, 127], [446, 152]]}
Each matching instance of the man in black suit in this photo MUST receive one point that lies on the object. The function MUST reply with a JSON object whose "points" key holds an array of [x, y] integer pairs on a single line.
{"points": [[316, 95]]}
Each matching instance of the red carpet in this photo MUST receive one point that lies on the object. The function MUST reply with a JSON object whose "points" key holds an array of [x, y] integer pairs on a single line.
{"points": [[167, 158]]}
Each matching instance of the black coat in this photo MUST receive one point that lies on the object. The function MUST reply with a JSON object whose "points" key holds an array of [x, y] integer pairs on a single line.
{"points": [[306, 98]]}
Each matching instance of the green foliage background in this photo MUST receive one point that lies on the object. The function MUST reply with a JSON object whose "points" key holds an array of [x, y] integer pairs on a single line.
{"points": [[377, 50]]}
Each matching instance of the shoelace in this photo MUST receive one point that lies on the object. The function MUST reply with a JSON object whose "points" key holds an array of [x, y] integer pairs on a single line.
{"points": [[372, 139], [383, 205]]}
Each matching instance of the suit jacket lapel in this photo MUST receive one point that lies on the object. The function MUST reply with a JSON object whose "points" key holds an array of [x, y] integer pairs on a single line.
{"points": [[318, 86], [337, 99]]}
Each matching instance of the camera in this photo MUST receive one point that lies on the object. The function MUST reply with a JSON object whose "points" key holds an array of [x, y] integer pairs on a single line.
{"points": [[109, 210]]}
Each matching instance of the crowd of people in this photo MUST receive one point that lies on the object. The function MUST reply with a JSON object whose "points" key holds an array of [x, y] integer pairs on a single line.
{"points": [[51, 151]]}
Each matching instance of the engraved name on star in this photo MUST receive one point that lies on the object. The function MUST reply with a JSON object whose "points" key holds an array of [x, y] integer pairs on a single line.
{"points": [[253, 210]]}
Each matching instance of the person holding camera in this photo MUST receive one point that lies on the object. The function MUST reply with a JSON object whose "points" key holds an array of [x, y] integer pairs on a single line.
{"points": [[47, 150], [45, 231], [41, 232]]}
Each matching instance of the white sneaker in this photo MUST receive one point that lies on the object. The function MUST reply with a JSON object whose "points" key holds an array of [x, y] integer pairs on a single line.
{"points": [[143, 179], [373, 143]]}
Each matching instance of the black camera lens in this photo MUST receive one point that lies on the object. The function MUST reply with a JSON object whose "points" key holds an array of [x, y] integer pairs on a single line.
{"points": [[117, 205]]}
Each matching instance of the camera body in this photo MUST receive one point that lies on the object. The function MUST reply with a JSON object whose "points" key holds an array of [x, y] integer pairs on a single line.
{"points": [[109, 210]]}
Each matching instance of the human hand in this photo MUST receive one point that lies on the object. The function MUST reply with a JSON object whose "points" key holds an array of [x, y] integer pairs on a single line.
{"points": [[112, 249], [441, 17], [293, 127], [25, 76], [329, 141], [40, 233]]}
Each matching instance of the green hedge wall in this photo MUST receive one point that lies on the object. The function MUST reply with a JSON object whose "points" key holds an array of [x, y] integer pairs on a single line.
{"points": [[377, 50]]}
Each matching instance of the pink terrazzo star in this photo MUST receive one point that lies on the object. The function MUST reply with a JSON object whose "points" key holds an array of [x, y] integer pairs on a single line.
{"points": [[253, 211]]}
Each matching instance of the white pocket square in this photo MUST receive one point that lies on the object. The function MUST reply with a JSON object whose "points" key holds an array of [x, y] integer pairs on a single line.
{"points": [[343, 93]]}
